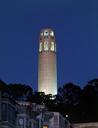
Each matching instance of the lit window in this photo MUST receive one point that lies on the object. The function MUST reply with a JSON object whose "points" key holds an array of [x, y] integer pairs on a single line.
{"points": [[51, 33], [46, 47], [46, 33], [52, 46], [41, 33], [40, 47], [45, 126]]}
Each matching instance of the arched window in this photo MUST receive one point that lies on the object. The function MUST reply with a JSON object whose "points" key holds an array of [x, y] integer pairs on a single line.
{"points": [[40, 47], [46, 33], [46, 46], [51, 33], [41, 33], [52, 46]]}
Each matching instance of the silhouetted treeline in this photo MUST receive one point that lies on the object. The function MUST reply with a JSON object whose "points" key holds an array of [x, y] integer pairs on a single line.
{"points": [[80, 105]]}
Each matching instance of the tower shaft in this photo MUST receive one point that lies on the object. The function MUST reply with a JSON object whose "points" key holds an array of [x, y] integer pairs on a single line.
{"points": [[47, 70]]}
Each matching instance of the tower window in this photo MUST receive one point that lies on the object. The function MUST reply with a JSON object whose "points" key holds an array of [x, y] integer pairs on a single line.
{"points": [[41, 33], [52, 46], [51, 33], [40, 47], [46, 33], [46, 46]]}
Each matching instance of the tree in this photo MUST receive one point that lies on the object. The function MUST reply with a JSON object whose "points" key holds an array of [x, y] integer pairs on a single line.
{"points": [[3, 85], [22, 92], [89, 101], [68, 99], [69, 94]]}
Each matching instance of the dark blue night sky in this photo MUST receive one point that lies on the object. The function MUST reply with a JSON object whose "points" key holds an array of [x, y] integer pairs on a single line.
{"points": [[75, 23]]}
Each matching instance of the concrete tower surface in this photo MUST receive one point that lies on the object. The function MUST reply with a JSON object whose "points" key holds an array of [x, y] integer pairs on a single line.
{"points": [[47, 67]]}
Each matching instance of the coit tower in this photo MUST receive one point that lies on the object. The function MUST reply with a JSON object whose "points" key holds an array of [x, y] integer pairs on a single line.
{"points": [[47, 67]]}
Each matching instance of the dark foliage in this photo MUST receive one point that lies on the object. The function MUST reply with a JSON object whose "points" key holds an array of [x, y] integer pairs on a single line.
{"points": [[80, 105], [21, 92], [3, 86]]}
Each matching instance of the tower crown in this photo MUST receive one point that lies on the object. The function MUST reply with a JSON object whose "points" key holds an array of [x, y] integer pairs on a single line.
{"points": [[47, 32], [47, 41]]}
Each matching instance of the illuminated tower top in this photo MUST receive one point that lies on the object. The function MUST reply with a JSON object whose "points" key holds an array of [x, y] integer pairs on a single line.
{"points": [[47, 41]]}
